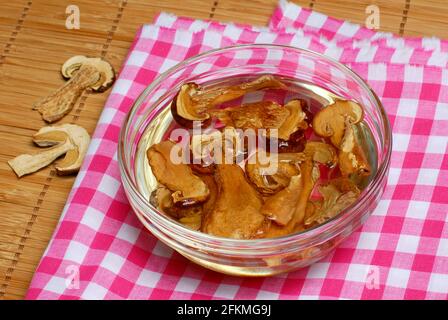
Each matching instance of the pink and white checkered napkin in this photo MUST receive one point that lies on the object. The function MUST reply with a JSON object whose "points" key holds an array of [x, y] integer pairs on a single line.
{"points": [[400, 252]]}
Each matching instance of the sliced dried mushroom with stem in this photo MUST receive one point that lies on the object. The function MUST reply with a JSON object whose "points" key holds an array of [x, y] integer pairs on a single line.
{"points": [[352, 158], [296, 120], [288, 212], [193, 103], [216, 147], [235, 214], [191, 216], [330, 122], [267, 181], [309, 174], [187, 188], [337, 194], [68, 139], [256, 115], [83, 73]]}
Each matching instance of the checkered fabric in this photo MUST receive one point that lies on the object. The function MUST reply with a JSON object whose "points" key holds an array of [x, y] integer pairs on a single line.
{"points": [[288, 15], [101, 251]]}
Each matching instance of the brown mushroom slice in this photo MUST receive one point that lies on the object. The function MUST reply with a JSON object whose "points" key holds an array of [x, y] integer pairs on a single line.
{"points": [[330, 121], [321, 152], [84, 73], [354, 162], [337, 195], [68, 139], [192, 102], [256, 115], [187, 188], [161, 198], [268, 183], [309, 177], [103, 67], [236, 213], [74, 157], [296, 119], [352, 159], [281, 206]]}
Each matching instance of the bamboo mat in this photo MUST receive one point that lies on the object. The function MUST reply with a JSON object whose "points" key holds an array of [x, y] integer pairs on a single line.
{"points": [[33, 44]]}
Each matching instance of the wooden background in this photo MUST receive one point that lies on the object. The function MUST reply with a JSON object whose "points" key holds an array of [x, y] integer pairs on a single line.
{"points": [[33, 44]]}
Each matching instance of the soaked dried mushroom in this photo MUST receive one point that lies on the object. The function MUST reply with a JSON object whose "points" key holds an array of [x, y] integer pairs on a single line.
{"points": [[236, 213], [261, 176], [331, 120], [275, 194], [187, 188], [193, 103], [337, 195]]}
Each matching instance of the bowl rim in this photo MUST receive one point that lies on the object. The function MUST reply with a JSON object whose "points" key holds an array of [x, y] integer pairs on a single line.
{"points": [[367, 193]]}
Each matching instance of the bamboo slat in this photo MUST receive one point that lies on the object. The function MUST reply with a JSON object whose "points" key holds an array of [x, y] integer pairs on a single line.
{"points": [[33, 44]]}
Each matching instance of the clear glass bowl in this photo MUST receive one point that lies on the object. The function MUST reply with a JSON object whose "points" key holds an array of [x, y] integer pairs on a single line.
{"points": [[150, 119]]}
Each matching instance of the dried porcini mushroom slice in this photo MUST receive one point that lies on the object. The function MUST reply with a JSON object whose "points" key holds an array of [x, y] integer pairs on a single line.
{"points": [[296, 120], [68, 139], [321, 152], [187, 188], [337, 195], [352, 159], [330, 121], [309, 176], [84, 73], [354, 162], [185, 111], [281, 206], [216, 147], [236, 213], [267, 182], [192, 102], [106, 72], [255, 115], [162, 199]]}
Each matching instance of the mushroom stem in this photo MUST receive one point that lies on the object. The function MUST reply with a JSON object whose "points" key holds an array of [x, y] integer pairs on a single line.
{"points": [[26, 163], [60, 102]]}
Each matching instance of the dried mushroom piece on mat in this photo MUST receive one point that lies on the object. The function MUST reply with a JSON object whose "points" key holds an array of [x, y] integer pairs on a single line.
{"points": [[68, 139], [83, 73]]}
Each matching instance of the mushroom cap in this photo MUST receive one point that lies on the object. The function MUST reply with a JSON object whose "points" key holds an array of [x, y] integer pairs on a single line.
{"points": [[183, 109], [107, 72], [330, 121], [78, 137]]}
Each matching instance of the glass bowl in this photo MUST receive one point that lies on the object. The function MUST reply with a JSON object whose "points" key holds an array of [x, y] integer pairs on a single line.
{"points": [[150, 119]]}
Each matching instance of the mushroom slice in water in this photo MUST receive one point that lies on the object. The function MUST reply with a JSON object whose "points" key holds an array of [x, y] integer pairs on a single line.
{"points": [[265, 180], [296, 119], [187, 188], [337, 194], [68, 139], [84, 73], [256, 115], [280, 207], [352, 159], [321, 152], [236, 213], [330, 121], [309, 176], [192, 103]]}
